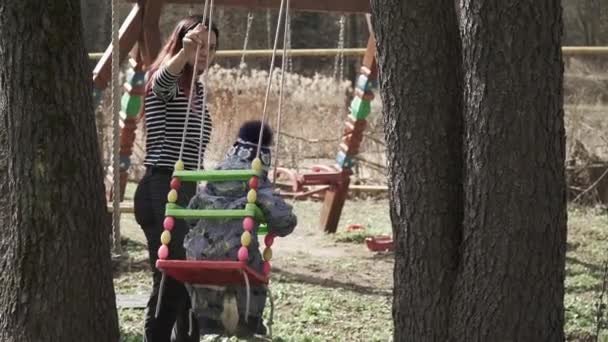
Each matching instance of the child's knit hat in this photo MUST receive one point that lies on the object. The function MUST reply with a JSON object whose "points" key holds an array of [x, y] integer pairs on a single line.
{"points": [[246, 145]]}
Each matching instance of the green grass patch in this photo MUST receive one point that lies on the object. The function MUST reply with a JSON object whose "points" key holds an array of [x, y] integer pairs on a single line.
{"points": [[328, 312]]}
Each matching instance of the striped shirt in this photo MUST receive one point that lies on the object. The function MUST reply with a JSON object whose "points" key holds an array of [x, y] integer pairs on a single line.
{"points": [[165, 116]]}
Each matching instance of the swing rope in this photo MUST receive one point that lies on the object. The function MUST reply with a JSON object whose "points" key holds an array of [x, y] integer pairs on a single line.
{"points": [[270, 73], [115, 89], [192, 86], [205, 77], [286, 34]]}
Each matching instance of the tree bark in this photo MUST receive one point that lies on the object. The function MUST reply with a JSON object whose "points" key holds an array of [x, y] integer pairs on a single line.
{"points": [[55, 271], [510, 284], [96, 23], [476, 167], [419, 63]]}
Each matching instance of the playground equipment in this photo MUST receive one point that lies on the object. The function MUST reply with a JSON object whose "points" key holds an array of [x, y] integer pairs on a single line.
{"points": [[218, 272], [140, 37]]}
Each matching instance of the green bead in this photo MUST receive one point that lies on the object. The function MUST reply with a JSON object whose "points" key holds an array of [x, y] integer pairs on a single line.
{"points": [[360, 109], [131, 105]]}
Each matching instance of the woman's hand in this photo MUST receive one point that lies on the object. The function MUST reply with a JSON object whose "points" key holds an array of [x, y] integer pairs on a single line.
{"points": [[195, 37]]}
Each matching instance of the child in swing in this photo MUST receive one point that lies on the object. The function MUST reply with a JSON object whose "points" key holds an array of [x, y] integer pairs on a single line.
{"points": [[221, 239]]}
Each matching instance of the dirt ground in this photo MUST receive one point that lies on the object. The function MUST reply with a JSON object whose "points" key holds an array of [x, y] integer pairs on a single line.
{"points": [[321, 258]]}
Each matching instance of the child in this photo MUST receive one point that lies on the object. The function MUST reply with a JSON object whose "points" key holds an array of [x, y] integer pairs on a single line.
{"points": [[221, 239]]}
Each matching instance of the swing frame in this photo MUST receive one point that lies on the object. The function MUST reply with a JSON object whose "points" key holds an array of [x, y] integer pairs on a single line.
{"points": [[141, 28], [140, 41]]}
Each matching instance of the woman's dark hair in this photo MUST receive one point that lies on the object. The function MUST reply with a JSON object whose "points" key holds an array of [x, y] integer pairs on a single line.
{"points": [[174, 45]]}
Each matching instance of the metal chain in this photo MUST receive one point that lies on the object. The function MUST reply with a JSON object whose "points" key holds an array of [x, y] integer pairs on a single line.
{"points": [[339, 59], [289, 60], [270, 73], [281, 88], [239, 72], [247, 30]]}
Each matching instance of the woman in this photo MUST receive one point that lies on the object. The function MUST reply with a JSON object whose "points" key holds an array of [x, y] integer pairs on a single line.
{"points": [[165, 109]]}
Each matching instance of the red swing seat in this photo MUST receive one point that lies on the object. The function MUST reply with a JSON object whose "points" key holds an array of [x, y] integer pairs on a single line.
{"points": [[211, 272]]}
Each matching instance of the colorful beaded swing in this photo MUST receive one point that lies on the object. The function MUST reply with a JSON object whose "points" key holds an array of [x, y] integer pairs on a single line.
{"points": [[216, 272], [224, 272]]}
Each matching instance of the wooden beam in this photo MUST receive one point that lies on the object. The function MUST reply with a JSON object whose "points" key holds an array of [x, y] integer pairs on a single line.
{"points": [[125, 207], [340, 6], [570, 51], [369, 59], [336, 196], [129, 34], [264, 53], [585, 50]]}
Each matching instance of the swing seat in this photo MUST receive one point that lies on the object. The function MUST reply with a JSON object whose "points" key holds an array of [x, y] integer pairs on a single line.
{"points": [[211, 272]]}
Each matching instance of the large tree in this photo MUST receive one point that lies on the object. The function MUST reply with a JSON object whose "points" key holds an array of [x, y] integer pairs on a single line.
{"points": [[418, 56], [96, 20], [476, 167], [55, 270]]}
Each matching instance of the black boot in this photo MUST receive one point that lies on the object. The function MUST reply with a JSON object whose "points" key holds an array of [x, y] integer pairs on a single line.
{"points": [[253, 326], [210, 327]]}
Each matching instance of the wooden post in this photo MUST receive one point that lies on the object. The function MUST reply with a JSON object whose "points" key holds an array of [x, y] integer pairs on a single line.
{"points": [[129, 34], [352, 136], [143, 23], [132, 105]]}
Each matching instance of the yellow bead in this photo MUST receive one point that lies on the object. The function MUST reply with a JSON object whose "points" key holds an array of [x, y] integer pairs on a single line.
{"points": [[267, 254], [252, 196], [165, 237], [179, 165], [172, 196], [256, 165], [246, 239]]}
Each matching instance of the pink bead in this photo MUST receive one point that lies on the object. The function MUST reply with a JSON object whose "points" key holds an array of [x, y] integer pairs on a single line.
{"points": [[266, 267], [269, 240], [243, 254], [169, 223], [175, 184], [253, 183], [163, 252], [248, 223]]}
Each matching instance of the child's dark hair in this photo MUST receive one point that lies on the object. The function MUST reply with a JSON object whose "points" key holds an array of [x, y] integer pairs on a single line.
{"points": [[250, 132]]}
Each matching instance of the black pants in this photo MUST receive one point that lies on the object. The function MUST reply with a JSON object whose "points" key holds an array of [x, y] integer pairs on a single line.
{"points": [[173, 321]]}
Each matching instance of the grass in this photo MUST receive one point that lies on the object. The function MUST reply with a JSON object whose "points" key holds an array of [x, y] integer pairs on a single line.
{"points": [[308, 310], [587, 236]]}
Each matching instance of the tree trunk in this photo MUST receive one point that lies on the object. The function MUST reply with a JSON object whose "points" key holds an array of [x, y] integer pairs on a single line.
{"points": [[419, 60], [480, 254], [510, 285], [96, 22], [55, 272]]}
